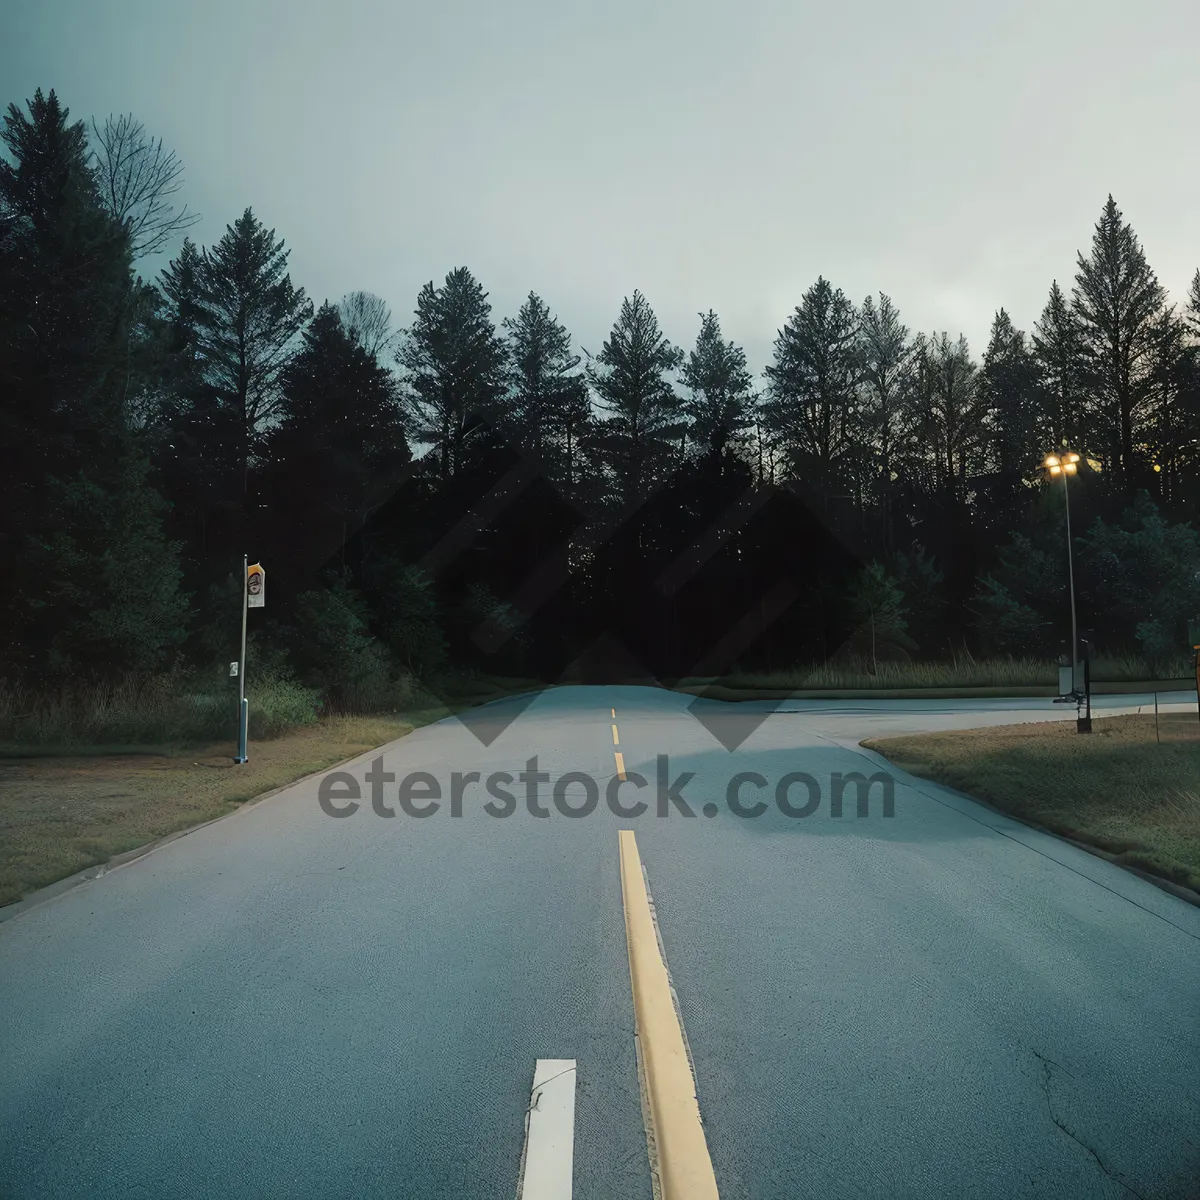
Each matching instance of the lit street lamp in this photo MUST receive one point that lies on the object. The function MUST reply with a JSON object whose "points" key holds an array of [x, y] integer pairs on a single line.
{"points": [[1066, 464]]}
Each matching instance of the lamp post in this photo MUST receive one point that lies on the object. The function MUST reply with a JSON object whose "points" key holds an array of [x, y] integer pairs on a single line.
{"points": [[1066, 464]]}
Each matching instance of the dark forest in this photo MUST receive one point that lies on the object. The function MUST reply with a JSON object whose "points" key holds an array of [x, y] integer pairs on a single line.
{"points": [[473, 491]]}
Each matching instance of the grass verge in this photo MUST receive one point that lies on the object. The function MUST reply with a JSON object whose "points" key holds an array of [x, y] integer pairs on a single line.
{"points": [[60, 814], [1123, 790], [964, 672], [718, 692]]}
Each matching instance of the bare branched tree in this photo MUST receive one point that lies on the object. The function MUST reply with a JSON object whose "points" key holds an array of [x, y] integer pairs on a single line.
{"points": [[137, 177], [368, 320]]}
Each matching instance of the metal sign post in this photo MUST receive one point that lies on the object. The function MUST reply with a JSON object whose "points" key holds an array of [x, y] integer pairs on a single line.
{"points": [[253, 596], [242, 723]]}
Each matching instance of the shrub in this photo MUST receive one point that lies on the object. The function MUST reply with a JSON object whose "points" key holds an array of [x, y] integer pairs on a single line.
{"points": [[336, 652], [149, 710]]}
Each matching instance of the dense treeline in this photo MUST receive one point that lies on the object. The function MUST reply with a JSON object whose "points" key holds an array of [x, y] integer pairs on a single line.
{"points": [[475, 492]]}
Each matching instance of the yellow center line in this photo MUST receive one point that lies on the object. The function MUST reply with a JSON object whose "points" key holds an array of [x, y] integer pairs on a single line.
{"points": [[682, 1165], [616, 753]]}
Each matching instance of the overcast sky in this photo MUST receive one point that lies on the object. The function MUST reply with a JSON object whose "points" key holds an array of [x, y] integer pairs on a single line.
{"points": [[954, 154]]}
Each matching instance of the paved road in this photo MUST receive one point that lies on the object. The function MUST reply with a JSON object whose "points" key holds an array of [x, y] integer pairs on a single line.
{"points": [[283, 1004]]}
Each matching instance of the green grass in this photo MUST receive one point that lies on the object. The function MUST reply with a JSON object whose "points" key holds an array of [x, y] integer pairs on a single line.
{"points": [[1124, 789], [958, 673]]}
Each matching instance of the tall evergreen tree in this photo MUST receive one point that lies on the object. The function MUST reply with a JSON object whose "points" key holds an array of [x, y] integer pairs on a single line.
{"points": [[1121, 307], [109, 599], [1173, 416], [645, 416], [455, 363], [1186, 495], [721, 405], [1058, 346], [545, 386], [578, 426], [1192, 311], [1010, 396], [254, 313], [200, 435], [86, 576], [811, 402], [67, 293], [876, 608], [337, 449], [948, 417], [885, 378]]}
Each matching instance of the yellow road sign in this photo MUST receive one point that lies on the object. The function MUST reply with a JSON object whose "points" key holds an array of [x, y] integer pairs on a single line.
{"points": [[256, 580]]}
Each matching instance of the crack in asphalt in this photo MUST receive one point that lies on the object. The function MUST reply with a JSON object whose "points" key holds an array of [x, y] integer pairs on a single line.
{"points": [[1047, 1063]]}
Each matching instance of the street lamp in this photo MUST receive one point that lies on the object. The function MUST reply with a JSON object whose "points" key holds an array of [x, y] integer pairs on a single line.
{"points": [[1066, 464]]}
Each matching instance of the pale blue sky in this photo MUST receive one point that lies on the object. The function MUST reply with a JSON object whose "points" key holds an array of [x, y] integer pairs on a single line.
{"points": [[713, 153]]}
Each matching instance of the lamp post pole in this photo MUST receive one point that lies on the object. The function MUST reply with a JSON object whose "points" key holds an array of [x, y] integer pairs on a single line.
{"points": [[1066, 464], [1071, 580]]}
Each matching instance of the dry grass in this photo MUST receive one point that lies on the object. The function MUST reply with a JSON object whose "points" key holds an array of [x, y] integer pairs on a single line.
{"points": [[60, 815], [153, 711], [1120, 789], [961, 672]]}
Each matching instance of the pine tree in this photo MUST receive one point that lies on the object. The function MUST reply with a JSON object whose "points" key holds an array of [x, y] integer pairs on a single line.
{"points": [[921, 581], [201, 437], [67, 291], [1173, 413], [1142, 573], [455, 365], [1187, 499], [811, 403], [885, 377], [722, 400], [337, 449], [254, 314], [182, 283], [1120, 307], [545, 386], [1010, 394], [578, 426], [1192, 312], [1067, 418], [645, 416], [875, 605], [86, 576], [112, 600], [948, 417]]}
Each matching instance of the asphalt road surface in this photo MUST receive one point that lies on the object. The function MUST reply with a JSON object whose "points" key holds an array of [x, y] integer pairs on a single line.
{"points": [[287, 1004]]}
